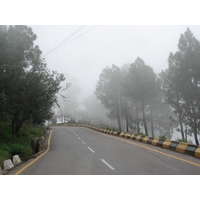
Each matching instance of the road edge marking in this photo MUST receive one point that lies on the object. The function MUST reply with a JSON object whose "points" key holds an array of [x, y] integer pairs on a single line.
{"points": [[18, 172], [187, 161]]}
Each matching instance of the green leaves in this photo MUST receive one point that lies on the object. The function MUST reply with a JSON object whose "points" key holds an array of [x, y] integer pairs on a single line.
{"points": [[27, 87], [180, 82]]}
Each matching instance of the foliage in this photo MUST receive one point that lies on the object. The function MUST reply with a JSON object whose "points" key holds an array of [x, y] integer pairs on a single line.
{"points": [[181, 140], [181, 83], [4, 155], [27, 87], [141, 83], [142, 134], [108, 91], [163, 137], [18, 144]]}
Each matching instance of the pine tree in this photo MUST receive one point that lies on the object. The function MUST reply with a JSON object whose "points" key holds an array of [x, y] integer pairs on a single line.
{"points": [[182, 82]]}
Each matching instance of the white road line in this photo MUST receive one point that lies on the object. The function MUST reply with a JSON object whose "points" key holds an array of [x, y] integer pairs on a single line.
{"points": [[79, 138], [83, 142], [107, 164], [91, 150]]}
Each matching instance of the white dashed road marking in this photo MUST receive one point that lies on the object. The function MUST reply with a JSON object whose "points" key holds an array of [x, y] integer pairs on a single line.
{"points": [[107, 164], [91, 150]]}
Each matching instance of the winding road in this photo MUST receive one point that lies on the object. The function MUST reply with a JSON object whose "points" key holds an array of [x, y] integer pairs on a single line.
{"points": [[81, 151]]}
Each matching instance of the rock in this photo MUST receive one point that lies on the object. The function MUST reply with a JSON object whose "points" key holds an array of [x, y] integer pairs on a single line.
{"points": [[1, 171], [8, 164], [16, 160]]}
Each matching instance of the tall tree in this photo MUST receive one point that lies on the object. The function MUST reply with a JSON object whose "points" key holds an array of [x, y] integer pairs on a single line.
{"points": [[141, 84], [184, 69], [171, 86], [28, 88], [108, 91]]}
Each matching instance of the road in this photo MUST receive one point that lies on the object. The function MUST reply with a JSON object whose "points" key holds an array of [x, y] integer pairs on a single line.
{"points": [[81, 151]]}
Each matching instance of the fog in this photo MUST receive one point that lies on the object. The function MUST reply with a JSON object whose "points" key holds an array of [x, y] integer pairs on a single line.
{"points": [[83, 59], [82, 52]]}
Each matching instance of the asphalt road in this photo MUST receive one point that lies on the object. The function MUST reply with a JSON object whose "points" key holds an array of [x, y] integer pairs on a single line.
{"points": [[81, 151]]}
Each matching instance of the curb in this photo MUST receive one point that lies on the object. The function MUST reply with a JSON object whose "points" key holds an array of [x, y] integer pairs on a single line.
{"points": [[181, 147]]}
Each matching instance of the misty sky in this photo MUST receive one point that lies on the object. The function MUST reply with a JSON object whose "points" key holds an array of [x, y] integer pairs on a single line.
{"points": [[83, 59]]}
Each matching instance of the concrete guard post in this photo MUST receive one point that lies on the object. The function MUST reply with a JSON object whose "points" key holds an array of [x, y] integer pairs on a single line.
{"points": [[149, 141], [132, 135], [121, 134], [197, 152], [127, 135], [173, 145], [138, 137], [166, 144], [8, 164], [181, 147], [146, 139], [16, 160], [115, 133], [141, 138], [191, 149], [160, 142], [155, 141]]}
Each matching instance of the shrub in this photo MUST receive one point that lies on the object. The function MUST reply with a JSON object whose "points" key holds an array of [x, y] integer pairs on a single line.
{"points": [[181, 140], [4, 155], [141, 134], [18, 145], [163, 137]]}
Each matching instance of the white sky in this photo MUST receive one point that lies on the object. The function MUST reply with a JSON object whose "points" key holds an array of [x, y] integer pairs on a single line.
{"points": [[83, 59], [126, 29]]}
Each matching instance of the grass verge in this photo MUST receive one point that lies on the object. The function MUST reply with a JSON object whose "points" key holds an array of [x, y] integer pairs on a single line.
{"points": [[21, 144]]}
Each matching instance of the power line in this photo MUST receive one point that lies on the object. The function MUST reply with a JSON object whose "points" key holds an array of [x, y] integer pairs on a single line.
{"points": [[61, 45], [79, 36], [67, 38]]}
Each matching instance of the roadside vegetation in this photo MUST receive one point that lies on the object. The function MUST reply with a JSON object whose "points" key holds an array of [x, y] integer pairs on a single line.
{"points": [[156, 104], [22, 144], [28, 91]]}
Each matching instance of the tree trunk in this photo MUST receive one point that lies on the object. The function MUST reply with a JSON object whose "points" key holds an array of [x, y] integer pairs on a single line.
{"points": [[195, 123], [119, 123], [137, 118], [126, 115], [119, 111], [181, 125], [16, 124], [119, 120], [180, 119], [126, 122], [144, 118], [152, 125]]}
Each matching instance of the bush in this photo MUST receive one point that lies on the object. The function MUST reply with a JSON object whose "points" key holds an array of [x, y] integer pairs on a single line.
{"points": [[4, 155], [163, 137], [141, 134], [181, 140], [18, 145]]}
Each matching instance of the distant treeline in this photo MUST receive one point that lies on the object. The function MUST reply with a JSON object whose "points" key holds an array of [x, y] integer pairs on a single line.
{"points": [[137, 96]]}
